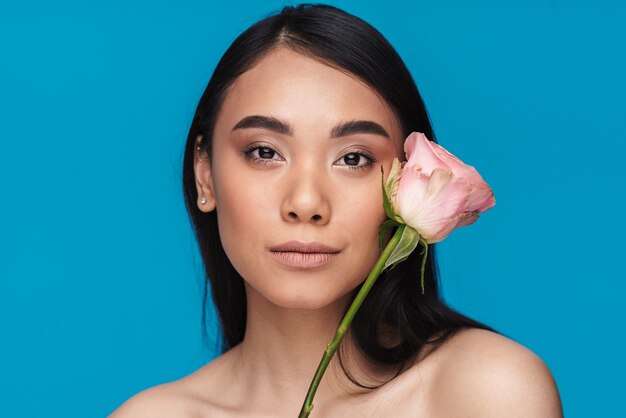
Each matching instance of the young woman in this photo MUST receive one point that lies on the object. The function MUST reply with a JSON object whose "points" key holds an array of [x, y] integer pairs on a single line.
{"points": [[282, 182]]}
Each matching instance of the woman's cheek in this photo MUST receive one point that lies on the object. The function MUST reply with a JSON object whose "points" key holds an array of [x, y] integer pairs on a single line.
{"points": [[238, 225], [366, 215]]}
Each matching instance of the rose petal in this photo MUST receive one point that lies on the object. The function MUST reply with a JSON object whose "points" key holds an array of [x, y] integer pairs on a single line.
{"points": [[412, 190], [418, 152], [481, 199], [445, 230], [432, 204], [458, 167], [467, 219]]}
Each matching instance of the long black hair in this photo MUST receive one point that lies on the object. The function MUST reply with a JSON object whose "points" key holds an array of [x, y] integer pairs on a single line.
{"points": [[395, 305]]}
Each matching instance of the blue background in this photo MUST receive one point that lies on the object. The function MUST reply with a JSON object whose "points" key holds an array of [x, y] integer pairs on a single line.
{"points": [[100, 276]]}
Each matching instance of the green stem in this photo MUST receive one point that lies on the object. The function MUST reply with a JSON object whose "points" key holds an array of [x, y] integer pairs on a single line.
{"points": [[331, 348], [424, 262]]}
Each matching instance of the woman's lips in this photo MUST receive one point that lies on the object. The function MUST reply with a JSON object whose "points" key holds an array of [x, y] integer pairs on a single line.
{"points": [[303, 260]]}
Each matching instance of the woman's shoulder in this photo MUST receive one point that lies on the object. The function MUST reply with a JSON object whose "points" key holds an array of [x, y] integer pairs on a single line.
{"points": [[185, 397], [484, 374], [165, 400]]}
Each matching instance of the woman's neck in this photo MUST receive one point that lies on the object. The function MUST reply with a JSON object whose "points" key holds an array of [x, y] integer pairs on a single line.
{"points": [[282, 349]]}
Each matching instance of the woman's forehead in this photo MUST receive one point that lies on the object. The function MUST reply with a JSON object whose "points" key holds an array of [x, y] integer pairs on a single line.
{"points": [[304, 91]]}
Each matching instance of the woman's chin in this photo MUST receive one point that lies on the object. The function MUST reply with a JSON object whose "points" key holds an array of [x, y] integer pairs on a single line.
{"points": [[298, 297]]}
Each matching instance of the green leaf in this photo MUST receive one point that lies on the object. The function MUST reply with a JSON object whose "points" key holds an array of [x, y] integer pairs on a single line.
{"points": [[390, 189], [384, 228], [386, 201], [408, 242]]}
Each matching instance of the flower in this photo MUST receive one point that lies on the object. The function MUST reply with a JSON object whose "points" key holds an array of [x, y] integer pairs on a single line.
{"points": [[437, 192], [430, 195]]}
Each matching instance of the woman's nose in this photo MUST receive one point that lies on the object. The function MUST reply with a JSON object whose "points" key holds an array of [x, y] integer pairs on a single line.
{"points": [[305, 198]]}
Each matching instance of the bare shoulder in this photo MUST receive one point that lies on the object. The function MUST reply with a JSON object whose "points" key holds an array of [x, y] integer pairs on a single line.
{"points": [[165, 400], [484, 374], [194, 395]]}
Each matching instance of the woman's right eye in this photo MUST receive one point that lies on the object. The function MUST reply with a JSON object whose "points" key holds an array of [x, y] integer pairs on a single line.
{"points": [[260, 154]]}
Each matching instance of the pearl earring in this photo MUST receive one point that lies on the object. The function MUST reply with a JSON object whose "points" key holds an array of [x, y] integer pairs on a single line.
{"points": [[203, 200]]}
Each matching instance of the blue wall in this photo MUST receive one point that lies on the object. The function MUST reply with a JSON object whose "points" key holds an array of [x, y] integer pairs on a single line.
{"points": [[100, 277]]}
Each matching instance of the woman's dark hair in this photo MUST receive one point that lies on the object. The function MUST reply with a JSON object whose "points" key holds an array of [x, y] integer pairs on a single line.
{"points": [[395, 305]]}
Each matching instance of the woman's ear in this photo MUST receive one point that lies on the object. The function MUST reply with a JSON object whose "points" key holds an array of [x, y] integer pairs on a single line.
{"points": [[204, 179]]}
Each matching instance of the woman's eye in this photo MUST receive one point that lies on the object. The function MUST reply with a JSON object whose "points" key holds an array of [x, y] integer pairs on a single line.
{"points": [[353, 159], [260, 154]]}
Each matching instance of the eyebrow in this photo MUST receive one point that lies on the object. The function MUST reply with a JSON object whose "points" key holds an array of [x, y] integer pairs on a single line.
{"points": [[343, 129]]}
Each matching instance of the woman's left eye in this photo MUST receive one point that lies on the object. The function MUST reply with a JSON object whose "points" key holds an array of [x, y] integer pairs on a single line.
{"points": [[353, 158]]}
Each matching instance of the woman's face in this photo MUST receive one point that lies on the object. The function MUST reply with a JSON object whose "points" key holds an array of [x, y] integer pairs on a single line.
{"points": [[300, 179]]}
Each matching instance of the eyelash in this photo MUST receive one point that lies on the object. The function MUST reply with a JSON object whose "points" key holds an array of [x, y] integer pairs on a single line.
{"points": [[262, 161]]}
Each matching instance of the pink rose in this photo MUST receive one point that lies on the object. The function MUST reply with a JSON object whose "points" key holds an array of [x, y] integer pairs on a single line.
{"points": [[436, 192]]}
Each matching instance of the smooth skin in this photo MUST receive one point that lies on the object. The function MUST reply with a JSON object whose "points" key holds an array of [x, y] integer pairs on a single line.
{"points": [[306, 186]]}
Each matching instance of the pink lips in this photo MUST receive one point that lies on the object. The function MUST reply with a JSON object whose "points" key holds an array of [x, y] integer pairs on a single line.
{"points": [[300, 254]]}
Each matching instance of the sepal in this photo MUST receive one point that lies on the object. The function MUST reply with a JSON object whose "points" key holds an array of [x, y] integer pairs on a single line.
{"points": [[384, 228], [408, 242], [390, 189]]}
